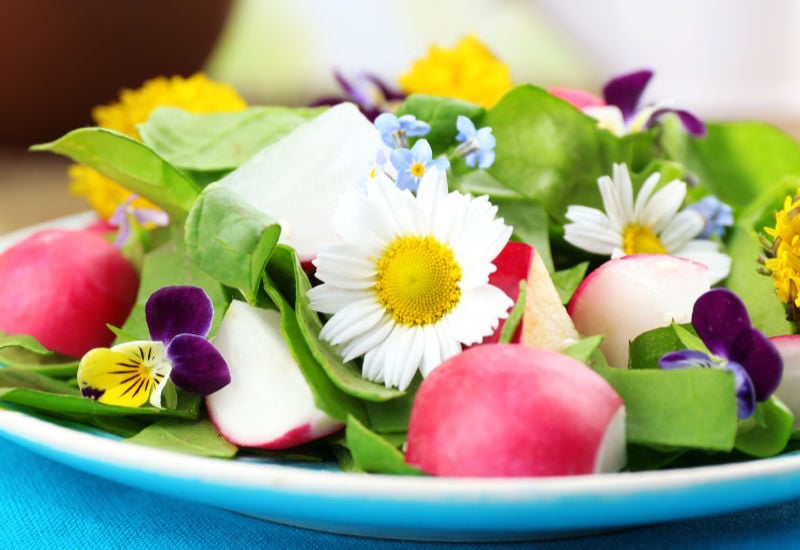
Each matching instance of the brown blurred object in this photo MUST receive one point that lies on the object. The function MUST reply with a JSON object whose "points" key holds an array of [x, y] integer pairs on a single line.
{"points": [[58, 59]]}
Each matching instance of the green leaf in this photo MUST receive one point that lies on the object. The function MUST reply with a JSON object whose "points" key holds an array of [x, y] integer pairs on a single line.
{"points": [[285, 270], [218, 141], [327, 396], [169, 264], [584, 349], [738, 161], [770, 438], [391, 417], [22, 351], [25, 342], [551, 152], [195, 437], [441, 114], [514, 316], [647, 348], [372, 453], [230, 240], [757, 291], [682, 408], [567, 280], [130, 163]]}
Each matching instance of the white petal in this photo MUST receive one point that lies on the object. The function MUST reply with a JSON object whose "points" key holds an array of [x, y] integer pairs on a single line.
{"points": [[644, 195], [707, 252], [353, 320], [478, 313], [598, 240], [365, 342], [329, 299], [683, 228], [432, 354], [663, 206]]}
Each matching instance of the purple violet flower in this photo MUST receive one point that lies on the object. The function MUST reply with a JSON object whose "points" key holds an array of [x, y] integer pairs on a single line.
{"points": [[125, 215], [370, 94], [625, 93], [722, 323], [128, 374]]}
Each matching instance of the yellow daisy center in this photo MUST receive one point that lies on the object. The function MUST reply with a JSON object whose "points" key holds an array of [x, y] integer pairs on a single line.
{"points": [[417, 169], [418, 280], [639, 239]]}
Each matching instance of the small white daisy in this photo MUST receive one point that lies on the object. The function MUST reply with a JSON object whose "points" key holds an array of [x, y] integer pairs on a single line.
{"points": [[407, 286], [651, 225]]}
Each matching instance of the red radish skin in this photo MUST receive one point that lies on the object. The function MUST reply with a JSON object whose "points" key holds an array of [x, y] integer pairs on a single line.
{"points": [[62, 287], [545, 322], [268, 403], [789, 389], [503, 410], [627, 296]]}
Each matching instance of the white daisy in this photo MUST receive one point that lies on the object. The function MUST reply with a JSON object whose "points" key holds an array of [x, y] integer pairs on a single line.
{"points": [[653, 224], [408, 283]]}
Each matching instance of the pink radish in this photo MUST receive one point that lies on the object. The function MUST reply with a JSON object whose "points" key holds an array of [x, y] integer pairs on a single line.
{"points": [[62, 287], [268, 403], [789, 390], [511, 410], [545, 322], [627, 296]]}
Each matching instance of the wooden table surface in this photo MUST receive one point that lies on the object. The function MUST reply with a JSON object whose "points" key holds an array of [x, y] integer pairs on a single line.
{"points": [[34, 187]]}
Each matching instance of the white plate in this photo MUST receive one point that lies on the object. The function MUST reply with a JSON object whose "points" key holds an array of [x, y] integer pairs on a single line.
{"points": [[410, 507], [417, 508]]}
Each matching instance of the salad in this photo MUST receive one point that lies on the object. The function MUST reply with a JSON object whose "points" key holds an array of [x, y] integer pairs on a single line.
{"points": [[468, 277]]}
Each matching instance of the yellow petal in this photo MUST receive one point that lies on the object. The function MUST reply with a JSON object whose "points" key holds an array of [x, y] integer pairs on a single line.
{"points": [[125, 374]]}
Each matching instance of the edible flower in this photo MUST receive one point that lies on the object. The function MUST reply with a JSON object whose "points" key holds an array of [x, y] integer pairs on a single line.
{"points": [[412, 164], [408, 284], [369, 93], [783, 265], [722, 323], [623, 114], [395, 130], [651, 225], [128, 374], [196, 94], [477, 146], [717, 216], [126, 215], [469, 71]]}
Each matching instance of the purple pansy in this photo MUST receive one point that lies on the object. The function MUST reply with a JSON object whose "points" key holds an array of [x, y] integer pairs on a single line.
{"points": [[477, 146], [412, 164], [722, 323], [178, 319], [370, 94], [625, 93], [125, 214]]}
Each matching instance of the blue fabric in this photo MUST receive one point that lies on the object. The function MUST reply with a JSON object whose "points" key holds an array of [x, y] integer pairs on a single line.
{"points": [[47, 505]]}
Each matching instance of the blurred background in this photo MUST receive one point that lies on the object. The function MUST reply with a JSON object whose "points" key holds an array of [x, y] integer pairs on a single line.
{"points": [[723, 59]]}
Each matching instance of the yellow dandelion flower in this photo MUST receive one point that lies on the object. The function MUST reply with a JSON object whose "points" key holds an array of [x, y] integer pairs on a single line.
{"points": [[784, 266], [469, 72], [196, 94]]}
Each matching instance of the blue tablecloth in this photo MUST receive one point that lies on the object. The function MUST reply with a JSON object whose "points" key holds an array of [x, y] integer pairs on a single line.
{"points": [[47, 505]]}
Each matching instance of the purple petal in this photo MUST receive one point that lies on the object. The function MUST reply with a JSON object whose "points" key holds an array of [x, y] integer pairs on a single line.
{"points": [[719, 316], [760, 359], [174, 310], [694, 126], [352, 91], [151, 215], [745, 392], [197, 366], [625, 91], [388, 93], [684, 359]]}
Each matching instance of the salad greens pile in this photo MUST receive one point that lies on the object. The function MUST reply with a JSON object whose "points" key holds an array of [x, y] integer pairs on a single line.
{"points": [[549, 156]]}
